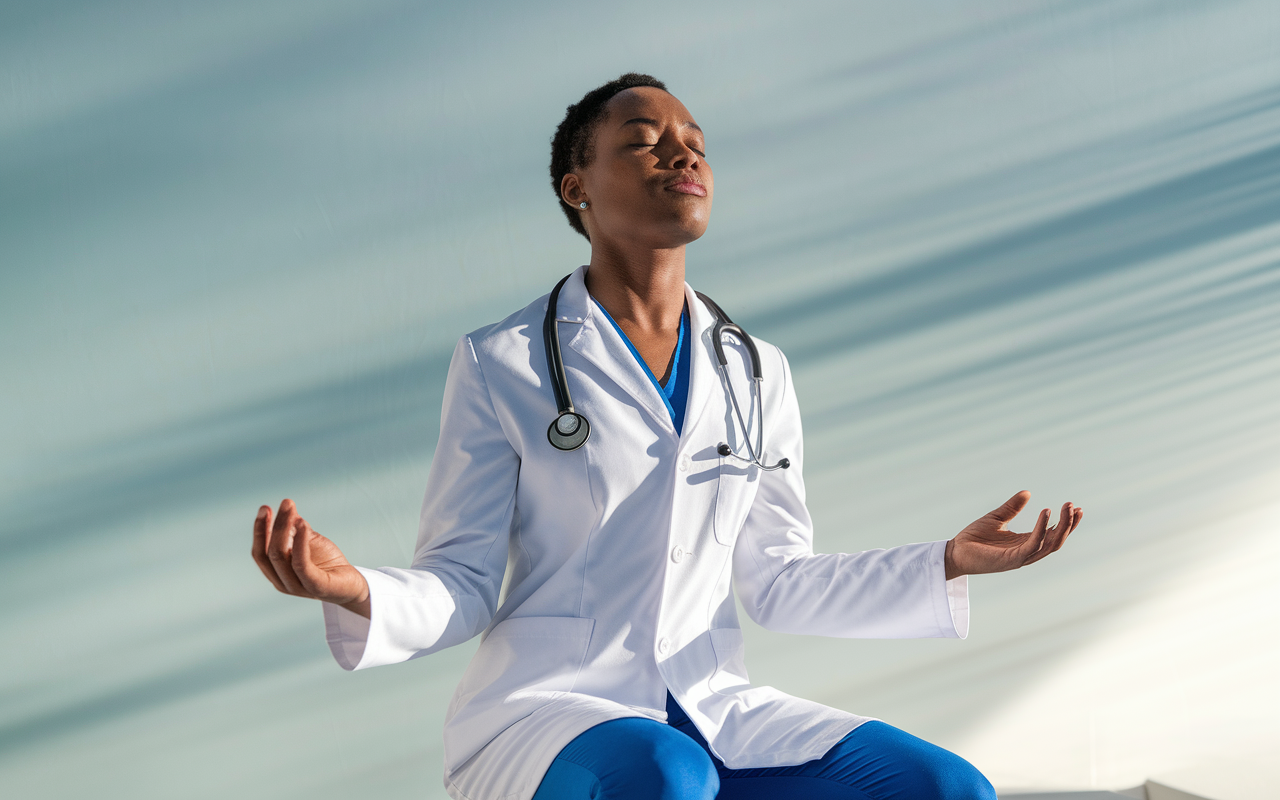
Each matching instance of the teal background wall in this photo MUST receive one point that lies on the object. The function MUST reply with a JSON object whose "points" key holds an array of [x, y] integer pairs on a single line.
{"points": [[1005, 245]]}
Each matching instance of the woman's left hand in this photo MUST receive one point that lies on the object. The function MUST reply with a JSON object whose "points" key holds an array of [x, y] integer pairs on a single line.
{"points": [[987, 545]]}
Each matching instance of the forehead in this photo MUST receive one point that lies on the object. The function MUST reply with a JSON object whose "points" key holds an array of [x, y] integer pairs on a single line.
{"points": [[647, 102]]}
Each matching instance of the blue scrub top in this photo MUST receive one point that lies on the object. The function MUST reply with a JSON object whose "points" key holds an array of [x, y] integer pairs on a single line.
{"points": [[676, 391]]}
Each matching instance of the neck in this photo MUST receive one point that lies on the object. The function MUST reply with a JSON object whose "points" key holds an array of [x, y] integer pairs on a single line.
{"points": [[643, 290]]}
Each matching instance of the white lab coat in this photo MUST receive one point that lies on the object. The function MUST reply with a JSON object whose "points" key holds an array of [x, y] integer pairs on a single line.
{"points": [[622, 554]]}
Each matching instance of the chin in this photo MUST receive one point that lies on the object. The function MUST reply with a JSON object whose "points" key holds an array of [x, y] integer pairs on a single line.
{"points": [[674, 228], [682, 235], [690, 226], [695, 232]]}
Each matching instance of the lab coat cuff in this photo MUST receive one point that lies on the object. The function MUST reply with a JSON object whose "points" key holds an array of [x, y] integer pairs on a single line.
{"points": [[950, 597], [958, 601], [348, 632]]}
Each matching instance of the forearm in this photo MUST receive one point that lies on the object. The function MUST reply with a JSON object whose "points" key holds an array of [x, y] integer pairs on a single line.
{"points": [[880, 594], [409, 613]]}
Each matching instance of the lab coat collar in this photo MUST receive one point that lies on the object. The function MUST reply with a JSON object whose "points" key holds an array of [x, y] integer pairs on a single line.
{"points": [[702, 360], [599, 343]]}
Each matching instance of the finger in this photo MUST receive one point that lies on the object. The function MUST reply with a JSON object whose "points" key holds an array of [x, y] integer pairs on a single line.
{"points": [[1011, 507], [280, 549], [281, 531], [284, 566], [285, 519], [1073, 523], [309, 575], [1035, 539], [1056, 536], [261, 527], [1075, 520], [1059, 532]]}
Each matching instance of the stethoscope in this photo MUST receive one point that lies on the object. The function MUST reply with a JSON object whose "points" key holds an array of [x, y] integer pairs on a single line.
{"points": [[570, 430]]}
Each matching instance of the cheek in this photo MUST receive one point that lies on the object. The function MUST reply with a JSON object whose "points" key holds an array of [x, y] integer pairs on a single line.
{"points": [[619, 183]]}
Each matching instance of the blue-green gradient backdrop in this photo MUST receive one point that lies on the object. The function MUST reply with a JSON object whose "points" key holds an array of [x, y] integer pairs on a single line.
{"points": [[1006, 245]]}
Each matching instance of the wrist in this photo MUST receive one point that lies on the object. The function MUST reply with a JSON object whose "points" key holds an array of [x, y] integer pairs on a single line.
{"points": [[949, 568], [361, 605]]}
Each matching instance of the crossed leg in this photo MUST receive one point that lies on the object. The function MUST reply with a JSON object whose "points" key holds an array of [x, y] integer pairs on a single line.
{"points": [[640, 759]]}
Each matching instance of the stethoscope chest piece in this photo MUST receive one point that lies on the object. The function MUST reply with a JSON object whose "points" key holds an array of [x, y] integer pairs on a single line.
{"points": [[568, 431]]}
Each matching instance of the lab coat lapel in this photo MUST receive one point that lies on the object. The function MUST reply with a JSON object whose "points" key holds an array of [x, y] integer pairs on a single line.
{"points": [[600, 344], [703, 377]]}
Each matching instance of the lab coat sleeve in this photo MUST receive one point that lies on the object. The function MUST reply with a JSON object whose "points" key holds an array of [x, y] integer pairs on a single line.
{"points": [[898, 593], [450, 591]]}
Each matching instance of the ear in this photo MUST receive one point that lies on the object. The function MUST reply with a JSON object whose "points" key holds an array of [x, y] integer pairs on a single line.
{"points": [[571, 191]]}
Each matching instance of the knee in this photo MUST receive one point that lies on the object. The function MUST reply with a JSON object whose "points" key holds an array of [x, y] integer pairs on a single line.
{"points": [[952, 778], [913, 769], [969, 785], [671, 768]]}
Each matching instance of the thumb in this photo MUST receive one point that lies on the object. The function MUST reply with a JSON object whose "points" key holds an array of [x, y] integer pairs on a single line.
{"points": [[1011, 507]]}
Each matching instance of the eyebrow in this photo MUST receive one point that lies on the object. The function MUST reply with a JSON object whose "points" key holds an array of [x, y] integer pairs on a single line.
{"points": [[654, 123]]}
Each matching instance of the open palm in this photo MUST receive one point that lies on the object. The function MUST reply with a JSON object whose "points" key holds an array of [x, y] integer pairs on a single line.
{"points": [[987, 544]]}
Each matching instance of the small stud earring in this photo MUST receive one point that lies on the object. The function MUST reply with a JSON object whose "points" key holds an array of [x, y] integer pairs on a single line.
{"points": [[583, 204]]}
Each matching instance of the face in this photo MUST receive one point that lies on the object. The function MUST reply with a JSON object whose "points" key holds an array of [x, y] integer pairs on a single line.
{"points": [[648, 183]]}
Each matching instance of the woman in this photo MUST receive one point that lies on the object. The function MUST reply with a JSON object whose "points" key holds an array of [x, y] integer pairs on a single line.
{"points": [[612, 661]]}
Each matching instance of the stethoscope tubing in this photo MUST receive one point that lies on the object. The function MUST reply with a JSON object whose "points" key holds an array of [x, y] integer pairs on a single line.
{"points": [[725, 325], [555, 359], [570, 430], [757, 404]]}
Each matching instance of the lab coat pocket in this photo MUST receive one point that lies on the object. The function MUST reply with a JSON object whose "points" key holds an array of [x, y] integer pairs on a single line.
{"points": [[731, 663], [734, 493], [522, 664]]}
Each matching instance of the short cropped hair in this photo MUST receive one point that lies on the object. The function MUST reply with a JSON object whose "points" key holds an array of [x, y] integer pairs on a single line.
{"points": [[571, 146]]}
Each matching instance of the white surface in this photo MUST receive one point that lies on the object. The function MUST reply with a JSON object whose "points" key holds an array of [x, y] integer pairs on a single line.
{"points": [[1089, 795]]}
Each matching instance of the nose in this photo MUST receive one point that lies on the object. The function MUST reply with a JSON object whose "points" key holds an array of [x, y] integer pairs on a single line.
{"points": [[683, 158]]}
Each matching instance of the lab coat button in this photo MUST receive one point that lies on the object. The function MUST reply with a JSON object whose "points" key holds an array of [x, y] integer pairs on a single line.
{"points": [[663, 646], [684, 463], [677, 554]]}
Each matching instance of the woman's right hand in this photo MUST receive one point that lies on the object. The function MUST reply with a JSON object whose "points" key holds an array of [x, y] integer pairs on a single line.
{"points": [[301, 562]]}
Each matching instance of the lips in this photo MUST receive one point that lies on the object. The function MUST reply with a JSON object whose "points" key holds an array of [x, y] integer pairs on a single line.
{"points": [[685, 186]]}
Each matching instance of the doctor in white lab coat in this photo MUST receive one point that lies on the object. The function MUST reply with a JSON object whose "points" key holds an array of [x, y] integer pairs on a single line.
{"points": [[626, 553]]}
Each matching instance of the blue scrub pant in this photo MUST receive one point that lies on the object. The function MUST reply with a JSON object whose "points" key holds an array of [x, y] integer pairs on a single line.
{"points": [[641, 759]]}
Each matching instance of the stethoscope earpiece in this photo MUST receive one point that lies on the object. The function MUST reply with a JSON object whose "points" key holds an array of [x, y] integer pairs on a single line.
{"points": [[726, 451]]}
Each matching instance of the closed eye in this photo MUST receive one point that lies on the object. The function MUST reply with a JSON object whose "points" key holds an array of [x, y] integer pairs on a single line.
{"points": [[655, 144]]}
